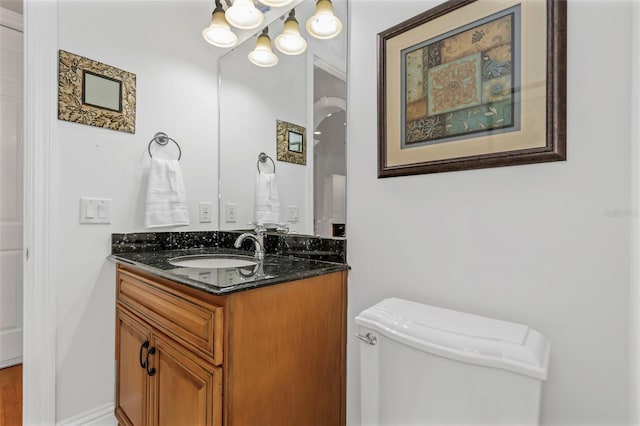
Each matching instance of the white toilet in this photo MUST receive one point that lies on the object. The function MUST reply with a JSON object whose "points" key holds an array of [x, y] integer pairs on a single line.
{"points": [[424, 365]]}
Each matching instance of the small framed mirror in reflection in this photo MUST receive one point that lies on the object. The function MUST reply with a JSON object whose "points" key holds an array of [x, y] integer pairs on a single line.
{"points": [[290, 143]]}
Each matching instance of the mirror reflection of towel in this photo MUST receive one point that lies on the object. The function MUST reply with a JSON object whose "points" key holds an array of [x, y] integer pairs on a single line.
{"points": [[267, 204], [166, 197]]}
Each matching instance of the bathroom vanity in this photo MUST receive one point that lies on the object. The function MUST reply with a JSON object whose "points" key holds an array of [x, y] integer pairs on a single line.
{"points": [[256, 345]]}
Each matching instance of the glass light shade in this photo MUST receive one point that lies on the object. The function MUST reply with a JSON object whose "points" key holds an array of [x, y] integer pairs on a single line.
{"points": [[276, 3], [243, 14], [290, 42], [324, 24], [218, 33], [262, 55]]}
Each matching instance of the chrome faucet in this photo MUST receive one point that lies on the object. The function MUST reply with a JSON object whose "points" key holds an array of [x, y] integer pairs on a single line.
{"points": [[258, 241]]}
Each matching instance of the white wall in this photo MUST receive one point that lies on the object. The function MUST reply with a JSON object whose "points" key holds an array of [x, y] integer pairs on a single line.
{"points": [[176, 93], [545, 245]]}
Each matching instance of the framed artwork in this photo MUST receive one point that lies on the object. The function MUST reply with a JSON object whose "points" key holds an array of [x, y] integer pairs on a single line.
{"points": [[93, 93], [472, 84], [291, 143]]}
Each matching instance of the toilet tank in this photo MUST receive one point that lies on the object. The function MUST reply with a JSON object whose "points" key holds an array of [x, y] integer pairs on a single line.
{"points": [[425, 365]]}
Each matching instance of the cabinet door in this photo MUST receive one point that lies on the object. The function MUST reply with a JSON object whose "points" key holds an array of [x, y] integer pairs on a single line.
{"points": [[184, 389], [132, 344]]}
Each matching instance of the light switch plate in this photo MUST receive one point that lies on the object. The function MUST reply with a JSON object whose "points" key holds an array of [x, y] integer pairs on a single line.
{"points": [[230, 212], [205, 212], [95, 210], [293, 214]]}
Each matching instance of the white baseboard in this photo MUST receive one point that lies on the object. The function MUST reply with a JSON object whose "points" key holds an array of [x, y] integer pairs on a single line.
{"points": [[100, 416], [11, 362]]}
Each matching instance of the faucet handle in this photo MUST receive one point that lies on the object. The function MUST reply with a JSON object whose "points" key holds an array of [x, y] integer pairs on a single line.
{"points": [[258, 227]]}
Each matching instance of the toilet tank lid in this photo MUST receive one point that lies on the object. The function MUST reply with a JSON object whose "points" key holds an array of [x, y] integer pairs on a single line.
{"points": [[461, 336]]}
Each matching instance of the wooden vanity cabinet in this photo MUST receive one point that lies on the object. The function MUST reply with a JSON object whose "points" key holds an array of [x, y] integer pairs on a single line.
{"points": [[160, 380], [267, 356]]}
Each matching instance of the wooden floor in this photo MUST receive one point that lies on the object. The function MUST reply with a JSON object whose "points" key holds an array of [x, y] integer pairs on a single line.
{"points": [[11, 396]]}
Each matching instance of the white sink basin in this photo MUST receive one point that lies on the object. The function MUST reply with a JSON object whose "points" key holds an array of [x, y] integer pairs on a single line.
{"points": [[213, 261]]}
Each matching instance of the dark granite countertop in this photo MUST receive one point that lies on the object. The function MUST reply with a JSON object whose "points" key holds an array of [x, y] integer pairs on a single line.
{"points": [[274, 269]]}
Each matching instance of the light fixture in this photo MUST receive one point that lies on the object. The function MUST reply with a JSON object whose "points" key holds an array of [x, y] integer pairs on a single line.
{"points": [[243, 14], [262, 55], [324, 24], [218, 33], [276, 3], [290, 42]]}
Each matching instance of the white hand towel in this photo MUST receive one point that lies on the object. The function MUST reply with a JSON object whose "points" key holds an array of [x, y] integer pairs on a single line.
{"points": [[267, 206], [166, 197]]}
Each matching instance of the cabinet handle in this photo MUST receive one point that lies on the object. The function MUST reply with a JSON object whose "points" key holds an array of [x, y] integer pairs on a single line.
{"points": [[145, 345], [153, 370]]}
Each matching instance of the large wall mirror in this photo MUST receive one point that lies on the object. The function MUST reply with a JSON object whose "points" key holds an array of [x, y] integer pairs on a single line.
{"points": [[308, 91]]}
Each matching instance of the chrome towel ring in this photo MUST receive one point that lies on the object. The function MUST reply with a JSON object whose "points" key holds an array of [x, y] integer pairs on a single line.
{"points": [[262, 158], [162, 139]]}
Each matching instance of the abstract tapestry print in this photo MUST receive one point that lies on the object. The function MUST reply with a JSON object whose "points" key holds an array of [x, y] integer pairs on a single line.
{"points": [[463, 82]]}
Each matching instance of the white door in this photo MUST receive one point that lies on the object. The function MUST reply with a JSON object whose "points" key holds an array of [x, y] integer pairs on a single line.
{"points": [[10, 196]]}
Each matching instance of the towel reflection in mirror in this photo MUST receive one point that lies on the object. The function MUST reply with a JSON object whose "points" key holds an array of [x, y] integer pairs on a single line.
{"points": [[267, 202]]}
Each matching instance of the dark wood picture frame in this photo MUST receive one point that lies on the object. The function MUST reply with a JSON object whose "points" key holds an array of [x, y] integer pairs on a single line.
{"points": [[552, 148]]}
